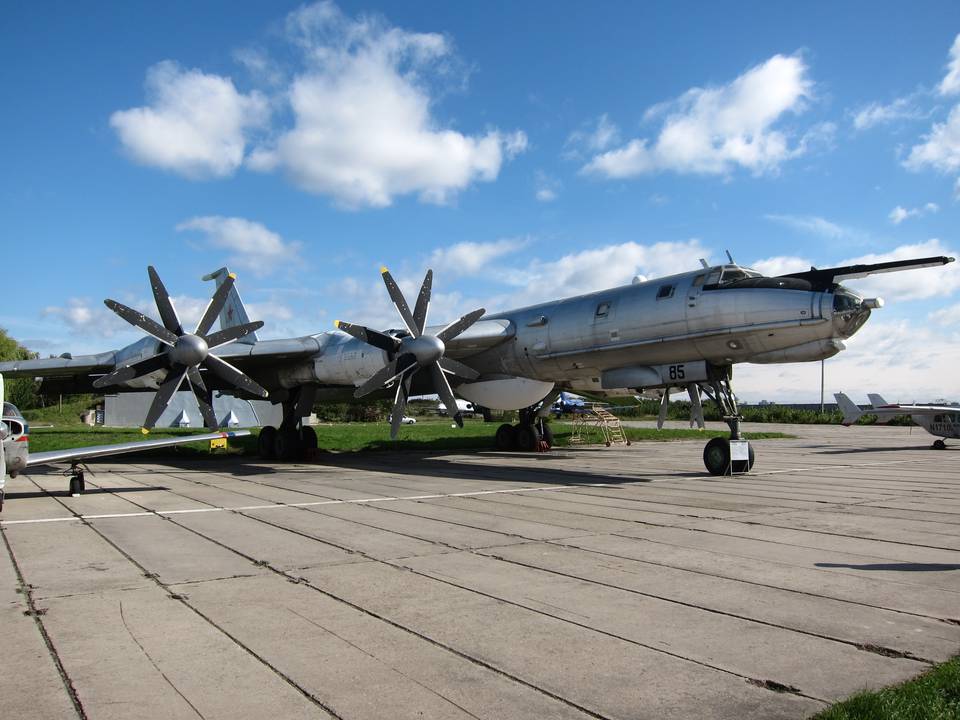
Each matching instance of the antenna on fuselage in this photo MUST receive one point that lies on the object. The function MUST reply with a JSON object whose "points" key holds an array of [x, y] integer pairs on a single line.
{"points": [[729, 257], [704, 263]]}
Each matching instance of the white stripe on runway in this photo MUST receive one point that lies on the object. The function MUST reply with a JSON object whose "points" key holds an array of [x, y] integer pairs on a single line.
{"points": [[242, 508]]}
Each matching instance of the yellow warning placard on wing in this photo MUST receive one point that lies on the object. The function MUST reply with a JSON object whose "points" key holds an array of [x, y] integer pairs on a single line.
{"points": [[218, 444]]}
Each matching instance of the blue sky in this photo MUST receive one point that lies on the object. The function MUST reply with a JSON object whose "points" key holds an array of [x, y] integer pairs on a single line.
{"points": [[525, 151]]}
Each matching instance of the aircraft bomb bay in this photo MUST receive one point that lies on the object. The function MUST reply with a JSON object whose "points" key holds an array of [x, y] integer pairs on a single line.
{"points": [[589, 582]]}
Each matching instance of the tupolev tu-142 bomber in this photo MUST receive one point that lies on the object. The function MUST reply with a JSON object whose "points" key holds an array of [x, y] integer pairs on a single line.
{"points": [[372, 361], [685, 330]]}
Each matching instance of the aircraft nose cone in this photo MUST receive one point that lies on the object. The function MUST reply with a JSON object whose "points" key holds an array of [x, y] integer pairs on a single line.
{"points": [[189, 350], [426, 348]]}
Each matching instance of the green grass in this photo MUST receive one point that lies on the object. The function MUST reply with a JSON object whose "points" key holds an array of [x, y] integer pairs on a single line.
{"points": [[934, 695], [426, 435]]}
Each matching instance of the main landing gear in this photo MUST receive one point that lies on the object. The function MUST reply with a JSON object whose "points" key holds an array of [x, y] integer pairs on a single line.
{"points": [[938, 445], [292, 440], [531, 434], [717, 455], [77, 482]]}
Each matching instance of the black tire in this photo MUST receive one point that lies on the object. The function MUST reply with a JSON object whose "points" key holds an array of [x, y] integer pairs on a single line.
{"points": [[308, 438], [506, 438], [287, 445], [266, 443], [939, 445], [716, 456], [546, 434], [83, 483], [74, 486], [528, 438]]}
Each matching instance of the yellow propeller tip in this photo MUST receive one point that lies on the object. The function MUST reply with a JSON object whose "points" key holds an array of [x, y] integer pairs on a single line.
{"points": [[336, 323], [383, 269], [145, 431], [232, 276]]}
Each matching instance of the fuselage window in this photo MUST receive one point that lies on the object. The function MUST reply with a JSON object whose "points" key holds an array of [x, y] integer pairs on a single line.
{"points": [[665, 291], [603, 309]]}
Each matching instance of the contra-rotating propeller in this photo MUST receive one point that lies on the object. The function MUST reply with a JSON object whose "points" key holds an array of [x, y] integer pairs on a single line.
{"points": [[185, 352], [419, 351]]}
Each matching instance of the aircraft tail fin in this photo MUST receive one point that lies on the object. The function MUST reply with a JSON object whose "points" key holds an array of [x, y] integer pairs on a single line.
{"points": [[233, 312], [876, 400], [851, 413]]}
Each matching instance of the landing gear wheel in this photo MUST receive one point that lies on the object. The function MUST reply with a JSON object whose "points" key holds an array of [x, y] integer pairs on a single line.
{"points": [[716, 456], [308, 438], [76, 487], [528, 438], [266, 443], [939, 445], [287, 444], [506, 438], [546, 433]]}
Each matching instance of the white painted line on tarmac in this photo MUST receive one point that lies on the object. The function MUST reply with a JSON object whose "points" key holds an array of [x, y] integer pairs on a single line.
{"points": [[274, 506]]}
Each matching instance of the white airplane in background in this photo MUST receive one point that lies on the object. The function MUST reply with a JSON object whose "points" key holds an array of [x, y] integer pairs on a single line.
{"points": [[15, 455], [940, 420]]}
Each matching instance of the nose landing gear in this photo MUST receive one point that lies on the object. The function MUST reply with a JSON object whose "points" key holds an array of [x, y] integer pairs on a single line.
{"points": [[723, 456]]}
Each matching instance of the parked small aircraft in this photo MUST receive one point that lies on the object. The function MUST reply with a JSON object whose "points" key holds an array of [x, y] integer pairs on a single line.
{"points": [[15, 455], [940, 420], [686, 330]]}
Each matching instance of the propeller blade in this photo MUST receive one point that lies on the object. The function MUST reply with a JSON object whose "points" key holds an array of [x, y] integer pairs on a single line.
{"points": [[167, 312], [458, 326], [381, 378], [129, 372], [664, 406], [400, 404], [140, 320], [454, 367], [163, 396], [394, 290], [385, 342], [215, 305], [204, 399], [196, 382], [228, 372], [423, 302], [222, 337], [442, 388]]}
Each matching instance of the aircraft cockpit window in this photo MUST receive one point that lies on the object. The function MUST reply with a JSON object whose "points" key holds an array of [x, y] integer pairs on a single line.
{"points": [[10, 410], [603, 309], [727, 276], [665, 291], [698, 280]]}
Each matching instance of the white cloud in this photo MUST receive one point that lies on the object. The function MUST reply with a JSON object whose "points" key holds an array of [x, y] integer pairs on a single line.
{"points": [[546, 187], [466, 258], [364, 131], [716, 130], [195, 124], [940, 149], [946, 316], [900, 213], [250, 244], [593, 136], [781, 265], [813, 225], [921, 284], [876, 114], [950, 85]]}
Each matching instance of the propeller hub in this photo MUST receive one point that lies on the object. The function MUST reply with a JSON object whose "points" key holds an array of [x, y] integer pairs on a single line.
{"points": [[426, 348], [189, 350]]}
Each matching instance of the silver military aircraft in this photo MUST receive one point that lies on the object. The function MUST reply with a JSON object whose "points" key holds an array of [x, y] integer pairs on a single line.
{"points": [[942, 421], [15, 455], [686, 330]]}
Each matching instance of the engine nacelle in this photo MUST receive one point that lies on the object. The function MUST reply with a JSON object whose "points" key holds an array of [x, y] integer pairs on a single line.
{"points": [[505, 392], [347, 361]]}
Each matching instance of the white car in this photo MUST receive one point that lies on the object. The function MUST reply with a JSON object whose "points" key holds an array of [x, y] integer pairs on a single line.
{"points": [[407, 420]]}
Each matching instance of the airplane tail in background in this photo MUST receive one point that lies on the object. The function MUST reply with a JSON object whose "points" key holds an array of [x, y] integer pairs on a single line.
{"points": [[851, 413], [876, 401], [233, 312]]}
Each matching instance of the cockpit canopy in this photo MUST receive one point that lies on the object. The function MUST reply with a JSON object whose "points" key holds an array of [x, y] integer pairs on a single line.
{"points": [[10, 411], [728, 277]]}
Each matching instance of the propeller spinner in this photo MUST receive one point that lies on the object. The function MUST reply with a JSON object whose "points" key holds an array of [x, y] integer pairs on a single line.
{"points": [[419, 351], [185, 353]]}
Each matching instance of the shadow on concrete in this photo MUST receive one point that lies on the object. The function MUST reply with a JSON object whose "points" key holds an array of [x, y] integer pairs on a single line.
{"points": [[898, 567], [852, 451], [90, 491]]}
